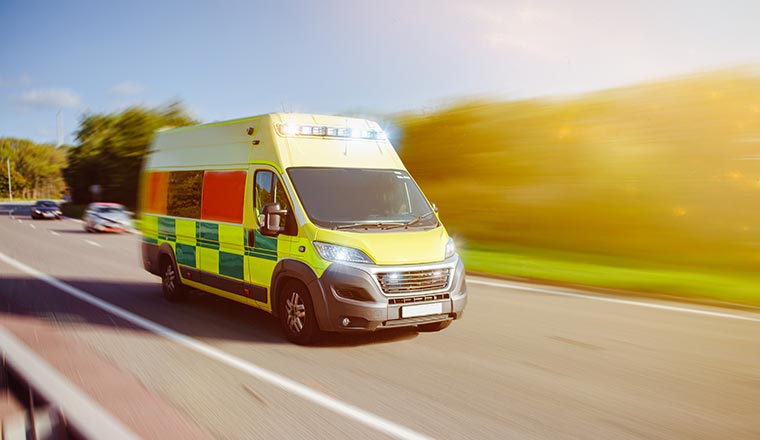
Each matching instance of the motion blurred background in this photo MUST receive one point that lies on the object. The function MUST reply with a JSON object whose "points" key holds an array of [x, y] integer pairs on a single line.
{"points": [[610, 145], [652, 187]]}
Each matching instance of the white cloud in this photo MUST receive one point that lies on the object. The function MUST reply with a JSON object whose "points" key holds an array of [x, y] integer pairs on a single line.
{"points": [[497, 39], [517, 29], [127, 88], [50, 98]]}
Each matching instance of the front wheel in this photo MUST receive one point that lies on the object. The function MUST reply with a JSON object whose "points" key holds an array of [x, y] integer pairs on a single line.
{"points": [[434, 326], [297, 318], [171, 285]]}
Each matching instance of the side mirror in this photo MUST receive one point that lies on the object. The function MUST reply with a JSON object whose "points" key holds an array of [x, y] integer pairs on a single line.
{"points": [[435, 207], [272, 218]]}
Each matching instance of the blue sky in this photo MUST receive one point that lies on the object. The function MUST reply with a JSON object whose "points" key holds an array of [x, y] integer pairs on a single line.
{"points": [[227, 59]]}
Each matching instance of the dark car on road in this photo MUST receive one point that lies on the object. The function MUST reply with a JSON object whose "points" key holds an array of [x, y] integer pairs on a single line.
{"points": [[46, 209]]}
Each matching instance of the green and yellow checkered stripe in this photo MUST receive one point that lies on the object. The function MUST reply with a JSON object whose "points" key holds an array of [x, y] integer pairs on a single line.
{"points": [[217, 248]]}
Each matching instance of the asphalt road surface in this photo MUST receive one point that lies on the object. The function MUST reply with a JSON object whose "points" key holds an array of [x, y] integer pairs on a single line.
{"points": [[526, 362]]}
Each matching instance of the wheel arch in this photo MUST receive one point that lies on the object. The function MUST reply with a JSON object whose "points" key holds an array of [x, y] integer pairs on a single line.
{"points": [[287, 270], [165, 251]]}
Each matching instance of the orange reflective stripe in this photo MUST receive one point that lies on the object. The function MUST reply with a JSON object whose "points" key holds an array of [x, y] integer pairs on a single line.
{"points": [[156, 192], [223, 196]]}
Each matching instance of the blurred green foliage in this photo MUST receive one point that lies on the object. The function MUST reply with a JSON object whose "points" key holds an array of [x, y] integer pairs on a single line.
{"points": [[35, 169], [666, 172], [72, 210], [110, 151]]}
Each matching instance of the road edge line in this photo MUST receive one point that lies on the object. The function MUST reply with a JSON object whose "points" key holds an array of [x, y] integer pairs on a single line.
{"points": [[508, 285], [337, 406]]}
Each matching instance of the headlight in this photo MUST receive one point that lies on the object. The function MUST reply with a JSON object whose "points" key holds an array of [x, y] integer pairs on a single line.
{"points": [[36, 211], [333, 252], [451, 248]]}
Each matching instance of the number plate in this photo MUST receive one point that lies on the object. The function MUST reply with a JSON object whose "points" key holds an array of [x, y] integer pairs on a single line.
{"points": [[47, 214], [421, 310]]}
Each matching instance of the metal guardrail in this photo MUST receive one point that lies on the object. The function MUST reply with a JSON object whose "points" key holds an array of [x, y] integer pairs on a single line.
{"points": [[83, 417]]}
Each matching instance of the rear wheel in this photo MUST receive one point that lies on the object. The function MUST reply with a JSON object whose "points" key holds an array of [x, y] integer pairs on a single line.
{"points": [[434, 326], [171, 285], [297, 318]]}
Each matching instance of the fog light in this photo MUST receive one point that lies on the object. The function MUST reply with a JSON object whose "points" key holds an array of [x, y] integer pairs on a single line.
{"points": [[345, 322]]}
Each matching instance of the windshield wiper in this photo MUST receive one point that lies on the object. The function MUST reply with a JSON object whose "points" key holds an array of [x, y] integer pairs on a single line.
{"points": [[381, 225], [413, 221]]}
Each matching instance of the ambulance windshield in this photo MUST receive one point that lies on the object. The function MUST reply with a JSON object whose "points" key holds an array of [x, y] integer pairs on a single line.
{"points": [[362, 199]]}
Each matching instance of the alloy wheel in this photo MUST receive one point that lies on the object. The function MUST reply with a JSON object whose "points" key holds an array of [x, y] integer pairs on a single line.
{"points": [[295, 310]]}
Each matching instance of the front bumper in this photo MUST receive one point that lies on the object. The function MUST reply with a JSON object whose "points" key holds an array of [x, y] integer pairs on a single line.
{"points": [[46, 214], [352, 292], [110, 226]]}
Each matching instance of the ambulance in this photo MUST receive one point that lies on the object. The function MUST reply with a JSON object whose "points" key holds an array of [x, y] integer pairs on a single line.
{"points": [[311, 218]]}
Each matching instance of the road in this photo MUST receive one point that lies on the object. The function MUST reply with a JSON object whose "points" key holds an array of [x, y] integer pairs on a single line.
{"points": [[523, 364]]}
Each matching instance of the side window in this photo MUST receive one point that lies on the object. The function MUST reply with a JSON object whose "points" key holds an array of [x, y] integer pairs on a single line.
{"points": [[269, 189], [184, 198], [263, 193]]}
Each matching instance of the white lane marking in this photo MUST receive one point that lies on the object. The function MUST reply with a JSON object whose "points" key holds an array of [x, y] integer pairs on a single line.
{"points": [[32, 226], [342, 408], [19, 220], [94, 243], [613, 300], [54, 233]]}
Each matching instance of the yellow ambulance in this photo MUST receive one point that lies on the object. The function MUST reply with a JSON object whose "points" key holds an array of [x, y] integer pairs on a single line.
{"points": [[312, 218]]}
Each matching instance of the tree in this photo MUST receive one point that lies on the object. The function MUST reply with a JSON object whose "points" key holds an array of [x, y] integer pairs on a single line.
{"points": [[36, 169], [111, 148]]}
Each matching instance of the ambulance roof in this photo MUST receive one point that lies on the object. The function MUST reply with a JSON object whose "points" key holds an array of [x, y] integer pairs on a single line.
{"points": [[283, 139]]}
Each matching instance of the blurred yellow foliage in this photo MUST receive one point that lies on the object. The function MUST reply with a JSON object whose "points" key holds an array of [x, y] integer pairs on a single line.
{"points": [[608, 173]]}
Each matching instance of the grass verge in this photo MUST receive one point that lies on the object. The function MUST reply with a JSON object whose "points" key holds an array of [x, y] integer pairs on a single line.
{"points": [[597, 271]]}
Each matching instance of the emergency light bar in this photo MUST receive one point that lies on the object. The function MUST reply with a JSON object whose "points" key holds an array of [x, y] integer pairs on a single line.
{"points": [[324, 131]]}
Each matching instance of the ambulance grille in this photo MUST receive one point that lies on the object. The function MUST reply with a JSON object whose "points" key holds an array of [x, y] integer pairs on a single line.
{"points": [[415, 281], [417, 299]]}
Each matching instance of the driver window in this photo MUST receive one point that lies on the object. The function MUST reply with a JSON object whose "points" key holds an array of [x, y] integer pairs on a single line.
{"points": [[269, 189]]}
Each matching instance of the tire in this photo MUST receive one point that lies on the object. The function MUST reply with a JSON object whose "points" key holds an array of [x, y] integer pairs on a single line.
{"points": [[296, 314], [171, 285], [434, 326]]}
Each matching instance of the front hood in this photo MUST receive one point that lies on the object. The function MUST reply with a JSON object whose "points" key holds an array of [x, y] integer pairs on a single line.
{"points": [[114, 218], [389, 248]]}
